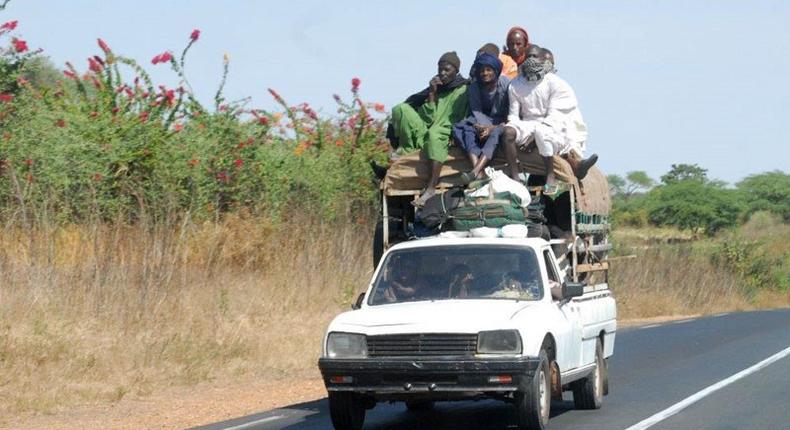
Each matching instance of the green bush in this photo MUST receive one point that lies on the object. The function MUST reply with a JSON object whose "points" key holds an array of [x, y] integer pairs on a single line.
{"points": [[100, 146], [694, 205], [768, 191]]}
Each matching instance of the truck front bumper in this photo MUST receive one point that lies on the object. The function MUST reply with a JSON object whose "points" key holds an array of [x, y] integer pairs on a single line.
{"points": [[428, 375]]}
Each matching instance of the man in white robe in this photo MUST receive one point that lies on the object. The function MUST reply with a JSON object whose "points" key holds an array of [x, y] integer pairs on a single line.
{"points": [[544, 109]]}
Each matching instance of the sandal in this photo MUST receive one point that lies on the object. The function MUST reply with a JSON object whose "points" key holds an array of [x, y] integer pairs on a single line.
{"points": [[468, 177]]}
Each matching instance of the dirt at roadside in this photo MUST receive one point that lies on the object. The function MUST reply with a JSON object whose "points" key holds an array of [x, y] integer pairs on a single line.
{"points": [[183, 407]]}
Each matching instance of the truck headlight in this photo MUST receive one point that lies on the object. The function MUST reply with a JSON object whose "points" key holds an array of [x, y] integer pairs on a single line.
{"points": [[346, 345], [499, 342]]}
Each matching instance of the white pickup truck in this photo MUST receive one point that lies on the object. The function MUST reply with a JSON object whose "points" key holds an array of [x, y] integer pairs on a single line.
{"points": [[466, 318]]}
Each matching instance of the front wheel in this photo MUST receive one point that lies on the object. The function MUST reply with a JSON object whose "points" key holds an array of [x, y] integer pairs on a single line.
{"points": [[347, 411], [588, 392], [534, 405]]}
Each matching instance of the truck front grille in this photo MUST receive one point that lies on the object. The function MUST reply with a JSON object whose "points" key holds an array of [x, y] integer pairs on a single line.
{"points": [[422, 344]]}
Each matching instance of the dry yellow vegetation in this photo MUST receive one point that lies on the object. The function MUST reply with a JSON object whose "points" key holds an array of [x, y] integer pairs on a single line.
{"points": [[93, 314]]}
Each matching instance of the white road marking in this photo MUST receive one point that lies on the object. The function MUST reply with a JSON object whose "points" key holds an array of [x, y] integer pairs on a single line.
{"points": [[688, 401], [721, 314], [682, 321], [255, 423], [652, 325]]}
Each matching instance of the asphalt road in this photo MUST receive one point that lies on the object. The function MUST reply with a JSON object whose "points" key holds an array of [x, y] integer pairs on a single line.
{"points": [[654, 368]]}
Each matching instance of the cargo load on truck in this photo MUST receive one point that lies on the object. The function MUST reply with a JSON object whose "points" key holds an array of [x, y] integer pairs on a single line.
{"points": [[575, 216]]}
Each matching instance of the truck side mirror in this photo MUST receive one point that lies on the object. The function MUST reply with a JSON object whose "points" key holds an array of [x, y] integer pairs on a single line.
{"points": [[572, 289], [358, 304]]}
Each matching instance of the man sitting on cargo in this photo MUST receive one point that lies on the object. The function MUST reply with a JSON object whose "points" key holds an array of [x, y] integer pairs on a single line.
{"points": [[478, 134], [514, 53], [424, 122], [544, 109]]}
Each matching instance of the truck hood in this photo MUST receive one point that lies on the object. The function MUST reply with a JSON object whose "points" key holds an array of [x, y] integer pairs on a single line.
{"points": [[444, 316]]}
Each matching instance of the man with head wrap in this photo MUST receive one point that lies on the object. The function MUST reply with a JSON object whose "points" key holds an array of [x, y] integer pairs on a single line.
{"points": [[544, 109], [478, 134], [492, 49], [514, 54], [424, 121], [547, 57]]}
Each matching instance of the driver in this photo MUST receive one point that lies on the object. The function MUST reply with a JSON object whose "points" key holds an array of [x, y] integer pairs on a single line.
{"points": [[404, 285]]}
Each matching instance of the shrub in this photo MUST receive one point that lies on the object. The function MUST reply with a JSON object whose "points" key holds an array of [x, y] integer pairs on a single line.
{"points": [[101, 146], [694, 205]]}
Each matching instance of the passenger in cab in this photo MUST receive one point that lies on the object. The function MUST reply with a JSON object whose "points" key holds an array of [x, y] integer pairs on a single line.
{"points": [[424, 121], [479, 133], [544, 110], [514, 53], [461, 280]]}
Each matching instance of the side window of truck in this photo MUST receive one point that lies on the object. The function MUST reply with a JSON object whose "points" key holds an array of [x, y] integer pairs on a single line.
{"points": [[550, 266]]}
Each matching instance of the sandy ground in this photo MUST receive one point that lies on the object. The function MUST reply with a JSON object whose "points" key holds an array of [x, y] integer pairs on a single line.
{"points": [[183, 407]]}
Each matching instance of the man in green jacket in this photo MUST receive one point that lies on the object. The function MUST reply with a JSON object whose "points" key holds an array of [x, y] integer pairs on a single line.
{"points": [[425, 121]]}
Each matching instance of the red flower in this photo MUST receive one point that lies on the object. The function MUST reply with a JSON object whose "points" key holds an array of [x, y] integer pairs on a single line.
{"points": [[69, 74], [193, 162], [162, 58], [276, 96], [263, 120], [144, 116], [97, 177], [94, 65], [6, 98], [19, 45], [195, 35], [98, 60], [103, 45], [170, 95], [28, 162], [238, 163], [379, 107], [355, 84], [22, 81], [60, 123], [10, 25], [178, 127]]}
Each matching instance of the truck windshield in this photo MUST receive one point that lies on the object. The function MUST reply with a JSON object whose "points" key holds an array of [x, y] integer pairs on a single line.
{"points": [[458, 272]]}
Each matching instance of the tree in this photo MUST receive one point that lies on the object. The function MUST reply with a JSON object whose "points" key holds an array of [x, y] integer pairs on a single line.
{"points": [[685, 172], [616, 184], [769, 191], [638, 181], [634, 181], [694, 205]]}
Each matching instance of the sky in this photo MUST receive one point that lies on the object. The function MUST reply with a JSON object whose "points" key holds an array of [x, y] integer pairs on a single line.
{"points": [[658, 83]]}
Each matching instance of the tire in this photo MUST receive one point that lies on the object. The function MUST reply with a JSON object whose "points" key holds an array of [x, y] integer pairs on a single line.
{"points": [[534, 405], [588, 392], [419, 405], [347, 411]]}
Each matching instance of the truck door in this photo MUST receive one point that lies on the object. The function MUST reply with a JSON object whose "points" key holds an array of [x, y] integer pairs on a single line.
{"points": [[571, 348]]}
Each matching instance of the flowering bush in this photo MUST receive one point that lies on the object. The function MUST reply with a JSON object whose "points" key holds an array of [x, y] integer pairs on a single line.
{"points": [[102, 146]]}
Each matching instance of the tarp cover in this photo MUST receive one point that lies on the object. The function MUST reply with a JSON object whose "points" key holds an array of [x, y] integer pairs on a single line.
{"points": [[409, 173]]}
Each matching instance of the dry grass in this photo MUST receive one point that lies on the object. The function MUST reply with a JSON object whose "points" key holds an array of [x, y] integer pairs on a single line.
{"points": [[673, 272], [90, 315]]}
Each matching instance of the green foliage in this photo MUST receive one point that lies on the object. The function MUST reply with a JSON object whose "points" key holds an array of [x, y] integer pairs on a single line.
{"points": [[758, 253], [616, 184], [694, 205], [685, 172], [768, 191], [96, 146]]}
